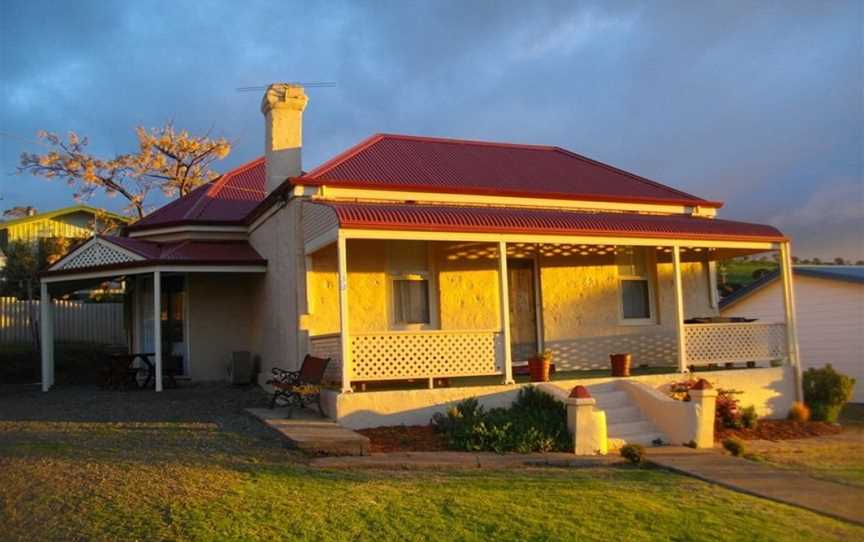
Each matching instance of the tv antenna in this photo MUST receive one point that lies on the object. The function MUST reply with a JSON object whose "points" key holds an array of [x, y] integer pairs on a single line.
{"points": [[314, 84]]}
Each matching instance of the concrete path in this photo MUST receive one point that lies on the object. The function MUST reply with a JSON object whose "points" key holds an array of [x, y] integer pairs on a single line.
{"points": [[309, 432], [829, 498], [461, 460]]}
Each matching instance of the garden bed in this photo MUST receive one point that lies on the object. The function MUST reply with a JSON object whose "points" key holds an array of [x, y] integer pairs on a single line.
{"points": [[779, 430], [404, 438]]}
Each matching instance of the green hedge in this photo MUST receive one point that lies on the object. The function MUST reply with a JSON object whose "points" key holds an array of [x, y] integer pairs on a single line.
{"points": [[536, 422]]}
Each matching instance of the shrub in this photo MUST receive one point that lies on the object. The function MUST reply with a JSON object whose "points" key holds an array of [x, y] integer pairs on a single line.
{"points": [[634, 453], [799, 412], [734, 446], [825, 392], [749, 418], [536, 422], [727, 412]]}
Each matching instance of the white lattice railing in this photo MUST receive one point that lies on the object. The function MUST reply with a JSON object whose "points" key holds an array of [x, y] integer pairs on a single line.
{"points": [[724, 343], [425, 354]]}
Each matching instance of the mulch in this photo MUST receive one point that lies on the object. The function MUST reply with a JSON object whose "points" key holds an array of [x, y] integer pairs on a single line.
{"points": [[779, 430], [404, 438]]}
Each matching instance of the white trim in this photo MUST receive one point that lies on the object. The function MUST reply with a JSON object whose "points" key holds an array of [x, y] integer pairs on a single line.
{"points": [[149, 269], [504, 297], [791, 326], [420, 235], [187, 229], [383, 194], [157, 327], [679, 309]]}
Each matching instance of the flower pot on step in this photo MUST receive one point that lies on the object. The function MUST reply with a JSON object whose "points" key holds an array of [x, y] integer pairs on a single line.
{"points": [[620, 364], [538, 368]]}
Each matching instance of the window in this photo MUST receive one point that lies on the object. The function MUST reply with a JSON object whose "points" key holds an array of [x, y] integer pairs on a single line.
{"points": [[635, 285], [412, 300]]}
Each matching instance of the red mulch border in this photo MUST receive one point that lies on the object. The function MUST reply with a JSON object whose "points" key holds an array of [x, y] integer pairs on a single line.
{"points": [[404, 438], [779, 430]]}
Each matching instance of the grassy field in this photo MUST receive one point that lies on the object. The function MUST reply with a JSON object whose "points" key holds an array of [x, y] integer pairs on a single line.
{"points": [[741, 271], [189, 465], [838, 458]]}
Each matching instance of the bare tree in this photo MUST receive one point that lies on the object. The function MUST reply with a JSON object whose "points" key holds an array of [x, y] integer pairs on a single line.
{"points": [[167, 160]]}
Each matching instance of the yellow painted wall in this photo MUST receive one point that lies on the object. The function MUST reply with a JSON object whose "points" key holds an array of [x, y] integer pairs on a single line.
{"points": [[468, 290], [578, 301]]}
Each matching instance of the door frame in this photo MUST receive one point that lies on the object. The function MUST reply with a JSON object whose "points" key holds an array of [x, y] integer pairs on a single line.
{"points": [[538, 298]]}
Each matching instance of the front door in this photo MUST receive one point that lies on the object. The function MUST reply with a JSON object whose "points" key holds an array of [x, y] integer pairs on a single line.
{"points": [[522, 294]]}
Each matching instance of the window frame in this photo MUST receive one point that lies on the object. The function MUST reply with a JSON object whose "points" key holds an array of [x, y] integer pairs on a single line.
{"points": [[429, 275], [650, 265]]}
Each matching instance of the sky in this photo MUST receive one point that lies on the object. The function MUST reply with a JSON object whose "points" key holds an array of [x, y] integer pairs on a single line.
{"points": [[758, 104]]}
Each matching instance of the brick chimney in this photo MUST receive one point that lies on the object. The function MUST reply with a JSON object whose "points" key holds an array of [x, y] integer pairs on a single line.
{"points": [[283, 106]]}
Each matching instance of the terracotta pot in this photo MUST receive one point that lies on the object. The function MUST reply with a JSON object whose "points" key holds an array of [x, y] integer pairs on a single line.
{"points": [[620, 364], [538, 369]]}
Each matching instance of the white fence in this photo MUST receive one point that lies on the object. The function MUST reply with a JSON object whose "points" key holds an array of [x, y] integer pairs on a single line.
{"points": [[74, 321]]}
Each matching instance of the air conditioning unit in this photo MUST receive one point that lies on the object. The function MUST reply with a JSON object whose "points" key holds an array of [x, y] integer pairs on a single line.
{"points": [[241, 368]]}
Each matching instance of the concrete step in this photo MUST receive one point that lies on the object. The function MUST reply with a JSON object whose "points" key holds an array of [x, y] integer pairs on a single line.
{"points": [[643, 439], [623, 414], [622, 430], [612, 399], [310, 433]]}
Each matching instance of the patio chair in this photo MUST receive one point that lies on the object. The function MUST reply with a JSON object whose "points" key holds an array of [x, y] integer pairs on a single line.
{"points": [[299, 388]]}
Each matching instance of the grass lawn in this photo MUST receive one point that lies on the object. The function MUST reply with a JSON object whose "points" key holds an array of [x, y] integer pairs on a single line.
{"points": [[839, 458], [81, 464]]}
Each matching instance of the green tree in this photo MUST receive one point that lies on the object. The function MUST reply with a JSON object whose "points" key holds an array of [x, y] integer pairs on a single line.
{"points": [[24, 260]]}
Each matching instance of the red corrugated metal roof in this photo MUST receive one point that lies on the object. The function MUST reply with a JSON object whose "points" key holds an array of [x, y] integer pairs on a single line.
{"points": [[449, 165], [180, 251], [187, 253], [554, 222], [227, 200]]}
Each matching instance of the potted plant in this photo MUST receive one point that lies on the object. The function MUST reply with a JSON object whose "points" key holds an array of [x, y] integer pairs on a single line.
{"points": [[538, 366], [620, 364]]}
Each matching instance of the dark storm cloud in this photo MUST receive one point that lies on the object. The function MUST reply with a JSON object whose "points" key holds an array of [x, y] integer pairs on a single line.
{"points": [[758, 104]]}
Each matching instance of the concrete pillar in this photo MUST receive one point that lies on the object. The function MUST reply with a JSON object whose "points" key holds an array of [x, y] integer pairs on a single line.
{"points": [[704, 398], [157, 327], [587, 427], [46, 337]]}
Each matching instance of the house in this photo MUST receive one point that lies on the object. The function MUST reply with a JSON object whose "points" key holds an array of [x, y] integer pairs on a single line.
{"points": [[431, 269], [74, 222], [830, 315]]}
